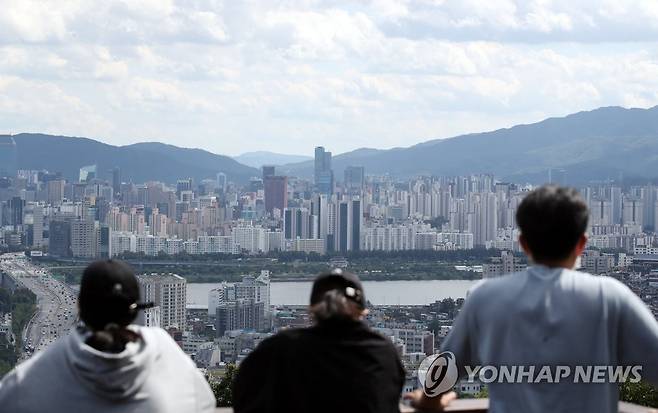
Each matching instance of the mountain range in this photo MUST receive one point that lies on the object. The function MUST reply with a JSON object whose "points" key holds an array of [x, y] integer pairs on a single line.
{"points": [[139, 162], [260, 158], [604, 143]]}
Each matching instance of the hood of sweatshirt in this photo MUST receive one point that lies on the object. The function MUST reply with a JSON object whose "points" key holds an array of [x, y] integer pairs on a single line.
{"points": [[113, 376]]}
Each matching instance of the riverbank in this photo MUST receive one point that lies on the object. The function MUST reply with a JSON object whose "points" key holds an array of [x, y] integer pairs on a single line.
{"points": [[368, 269]]}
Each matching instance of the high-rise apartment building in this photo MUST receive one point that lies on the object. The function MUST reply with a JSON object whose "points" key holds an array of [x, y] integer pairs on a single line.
{"points": [[167, 291], [355, 180], [507, 263], [35, 225], [252, 288], [601, 212], [241, 314], [320, 210], [299, 223], [632, 211], [347, 235], [55, 191], [84, 238]]}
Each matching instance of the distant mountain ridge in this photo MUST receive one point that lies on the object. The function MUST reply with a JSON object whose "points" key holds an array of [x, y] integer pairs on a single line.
{"points": [[259, 158], [139, 162], [592, 145], [603, 143]]}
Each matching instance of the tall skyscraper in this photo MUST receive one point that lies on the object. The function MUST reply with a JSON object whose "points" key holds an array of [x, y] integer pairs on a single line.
{"points": [[324, 175], [221, 182], [116, 181], [276, 192], [16, 205]]}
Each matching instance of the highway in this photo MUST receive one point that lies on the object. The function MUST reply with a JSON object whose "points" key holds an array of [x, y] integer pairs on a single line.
{"points": [[56, 303]]}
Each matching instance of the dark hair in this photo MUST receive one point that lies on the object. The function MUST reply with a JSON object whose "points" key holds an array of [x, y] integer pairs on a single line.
{"points": [[108, 303], [335, 295], [337, 279], [552, 219], [334, 305]]}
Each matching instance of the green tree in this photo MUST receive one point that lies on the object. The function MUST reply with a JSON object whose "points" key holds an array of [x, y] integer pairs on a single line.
{"points": [[640, 393], [223, 388]]}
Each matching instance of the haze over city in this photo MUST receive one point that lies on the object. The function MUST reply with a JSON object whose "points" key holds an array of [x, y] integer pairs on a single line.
{"points": [[233, 77]]}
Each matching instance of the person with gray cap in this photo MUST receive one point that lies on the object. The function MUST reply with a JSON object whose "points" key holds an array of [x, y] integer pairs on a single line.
{"points": [[336, 365], [108, 364]]}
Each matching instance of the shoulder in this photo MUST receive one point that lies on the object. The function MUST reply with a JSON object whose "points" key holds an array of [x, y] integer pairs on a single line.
{"points": [[43, 361], [488, 286], [32, 373], [284, 338], [163, 345], [598, 284], [155, 334]]}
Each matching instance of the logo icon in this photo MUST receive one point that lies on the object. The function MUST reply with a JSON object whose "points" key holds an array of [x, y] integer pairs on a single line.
{"points": [[438, 373]]}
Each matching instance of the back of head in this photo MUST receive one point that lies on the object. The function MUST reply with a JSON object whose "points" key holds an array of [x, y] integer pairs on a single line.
{"points": [[552, 220], [109, 292], [337, 295]]}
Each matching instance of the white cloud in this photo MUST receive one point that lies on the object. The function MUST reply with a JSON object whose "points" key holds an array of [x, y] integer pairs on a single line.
{"points": [[291, 74]]}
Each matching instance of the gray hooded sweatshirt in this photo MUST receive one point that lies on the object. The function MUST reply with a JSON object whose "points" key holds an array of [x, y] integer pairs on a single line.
{"points": [[152, 375]]}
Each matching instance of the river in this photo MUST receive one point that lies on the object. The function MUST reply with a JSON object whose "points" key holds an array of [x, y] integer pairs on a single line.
{"points": [[377, 292]]}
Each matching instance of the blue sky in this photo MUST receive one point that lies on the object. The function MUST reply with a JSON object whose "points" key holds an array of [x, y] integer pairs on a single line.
{"points": [[285, 76]]}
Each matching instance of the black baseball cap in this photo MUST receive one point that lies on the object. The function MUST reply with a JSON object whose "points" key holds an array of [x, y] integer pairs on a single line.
{"points": [[337, 279], [109, 294]]}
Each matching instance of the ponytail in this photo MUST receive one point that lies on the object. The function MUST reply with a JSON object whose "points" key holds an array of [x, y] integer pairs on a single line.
{"points": [[334, 305], [112, 339]]}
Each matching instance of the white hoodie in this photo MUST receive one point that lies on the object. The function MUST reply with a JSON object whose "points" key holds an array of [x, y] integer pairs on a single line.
{"points": [[152, 375]]}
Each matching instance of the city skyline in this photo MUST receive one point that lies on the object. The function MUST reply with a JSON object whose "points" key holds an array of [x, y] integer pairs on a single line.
{"points": [[233, 77]]}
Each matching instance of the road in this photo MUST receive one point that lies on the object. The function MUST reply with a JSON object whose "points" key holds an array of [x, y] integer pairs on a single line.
{"points": [[56, 303]]}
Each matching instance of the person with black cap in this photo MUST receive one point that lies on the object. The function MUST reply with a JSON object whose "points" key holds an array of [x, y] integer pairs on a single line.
{"points": [[108, 364], [337, 365]]}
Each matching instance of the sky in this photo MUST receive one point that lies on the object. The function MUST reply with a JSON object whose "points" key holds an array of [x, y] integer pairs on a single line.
{"points": [[286, 76]]}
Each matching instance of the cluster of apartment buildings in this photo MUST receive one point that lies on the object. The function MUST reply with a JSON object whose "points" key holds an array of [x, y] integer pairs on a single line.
{"points": [[99, 214]]}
